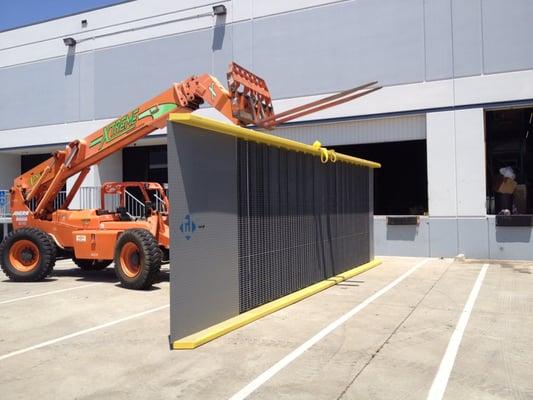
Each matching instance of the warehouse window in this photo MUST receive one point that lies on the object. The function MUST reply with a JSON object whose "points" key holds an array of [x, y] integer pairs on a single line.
{"points": [[509, 150], [400, 185], [29, 161], [145, 163]]}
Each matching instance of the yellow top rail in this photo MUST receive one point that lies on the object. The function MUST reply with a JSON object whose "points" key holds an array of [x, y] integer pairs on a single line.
{"points": [[248, 134]]}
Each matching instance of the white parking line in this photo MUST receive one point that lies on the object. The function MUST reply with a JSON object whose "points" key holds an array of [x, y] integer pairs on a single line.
{"points": [[440, 382], [64, 262], [273, 370], [48, 293], [82, 332]]}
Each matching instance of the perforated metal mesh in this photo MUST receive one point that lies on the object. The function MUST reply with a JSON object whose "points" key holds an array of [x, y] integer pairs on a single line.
{"points": [[300, 221]]}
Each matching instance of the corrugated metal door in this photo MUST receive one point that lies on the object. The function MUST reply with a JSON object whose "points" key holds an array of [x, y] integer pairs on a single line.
{"points": [[372, 130]]}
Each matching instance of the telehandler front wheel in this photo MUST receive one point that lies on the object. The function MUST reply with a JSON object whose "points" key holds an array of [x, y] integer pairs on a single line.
{"points": [[91, 265], [27, 255], [137, 259]]}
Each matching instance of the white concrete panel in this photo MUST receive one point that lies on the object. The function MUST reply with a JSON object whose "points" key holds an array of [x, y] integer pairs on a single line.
{"points": [[46, 136], [371, 130], [109, 170], [136, 14], [498, 87], [428, 95], [103, 32], [263, 8], [242, 9], [477, 237], [509, 242], [473, 237], [502, 87], [103, 18], [112, 35], [49, 134], [130, 22], [401, 240], [9, 170], [494, 88], [443, 237], [441, 149], [470, 162]]}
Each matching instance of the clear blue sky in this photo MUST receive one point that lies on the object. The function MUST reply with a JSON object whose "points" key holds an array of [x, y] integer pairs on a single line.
{"points": [[16, 13]]}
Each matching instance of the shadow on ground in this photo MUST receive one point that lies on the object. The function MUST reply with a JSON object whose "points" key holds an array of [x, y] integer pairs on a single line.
{"points": [[106, 275]]}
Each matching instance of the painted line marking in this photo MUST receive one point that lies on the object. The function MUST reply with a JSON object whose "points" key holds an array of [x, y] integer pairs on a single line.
{"points": [[62, 263], [48, 293], [82, 332], [289, 358], [440, 382]]}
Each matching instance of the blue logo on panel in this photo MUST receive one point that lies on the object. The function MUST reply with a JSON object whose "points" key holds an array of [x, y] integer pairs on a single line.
{"points": [[3, 198], [188, 227]]}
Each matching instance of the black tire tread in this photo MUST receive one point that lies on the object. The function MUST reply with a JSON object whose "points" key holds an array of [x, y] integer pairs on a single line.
{"points": [[48, 254], [152, 255]]}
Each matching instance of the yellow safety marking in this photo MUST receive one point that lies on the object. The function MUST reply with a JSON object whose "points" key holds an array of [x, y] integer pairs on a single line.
{"points": [[206, 335], [249, 134]]}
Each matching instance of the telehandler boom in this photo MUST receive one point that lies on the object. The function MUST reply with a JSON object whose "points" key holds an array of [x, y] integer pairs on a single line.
{"points": [[96, 237]]}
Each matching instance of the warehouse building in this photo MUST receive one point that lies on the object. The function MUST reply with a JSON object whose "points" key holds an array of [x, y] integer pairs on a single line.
{"points": [[456, 106]]}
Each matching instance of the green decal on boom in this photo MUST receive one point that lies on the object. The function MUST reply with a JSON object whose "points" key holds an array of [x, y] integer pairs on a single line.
{"points": [[126, 123], [157, 111], [116, 129], [212, 91]]}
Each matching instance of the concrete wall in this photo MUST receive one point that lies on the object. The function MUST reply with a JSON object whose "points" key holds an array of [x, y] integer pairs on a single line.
{"points": [[109, 170], [456, 163], [475, 237], [114, 67], [9, 169], [358, 131], [457, 221]]}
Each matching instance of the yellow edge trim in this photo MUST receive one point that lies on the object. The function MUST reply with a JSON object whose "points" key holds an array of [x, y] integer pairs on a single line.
{"points": [[199, 338], [249, 134]]}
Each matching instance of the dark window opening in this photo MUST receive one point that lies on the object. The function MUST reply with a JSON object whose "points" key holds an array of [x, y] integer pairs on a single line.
{"points": [[29, 161], [509, 143], [145, 164], [400, 185]]}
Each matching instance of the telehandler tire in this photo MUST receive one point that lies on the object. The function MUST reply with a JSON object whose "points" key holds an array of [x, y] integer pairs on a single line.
{"points": [[91, 265], [28, 255], [137, 259]]}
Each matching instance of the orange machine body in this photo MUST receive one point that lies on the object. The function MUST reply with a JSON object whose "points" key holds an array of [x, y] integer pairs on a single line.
{"points": [[92, 233]]}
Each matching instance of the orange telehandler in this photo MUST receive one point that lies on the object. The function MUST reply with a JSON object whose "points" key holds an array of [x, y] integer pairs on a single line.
{"points": [[96, 237]]}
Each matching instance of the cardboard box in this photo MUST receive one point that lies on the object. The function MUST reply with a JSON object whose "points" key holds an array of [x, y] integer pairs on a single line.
{"points": [[504, 185]]}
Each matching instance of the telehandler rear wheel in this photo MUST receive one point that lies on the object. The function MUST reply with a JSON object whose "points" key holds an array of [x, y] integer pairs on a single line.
{"points": [[28, 255], [91, 265], [137, 259]]}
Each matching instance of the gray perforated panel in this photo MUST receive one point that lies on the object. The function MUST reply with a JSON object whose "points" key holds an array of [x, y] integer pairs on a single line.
{"points": [[300, 221], [251, 223]]}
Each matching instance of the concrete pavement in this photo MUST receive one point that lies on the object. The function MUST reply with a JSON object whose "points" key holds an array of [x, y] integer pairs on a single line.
{"points": [[80, 335]]}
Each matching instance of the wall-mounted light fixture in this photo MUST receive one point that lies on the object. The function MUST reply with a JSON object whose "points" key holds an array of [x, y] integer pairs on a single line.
{"points": [[220, 10], [69, 41]]}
